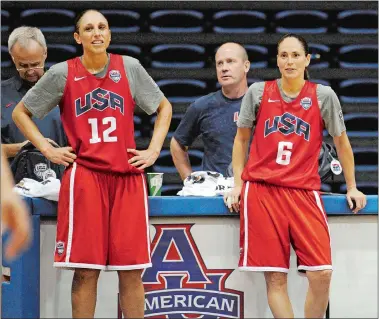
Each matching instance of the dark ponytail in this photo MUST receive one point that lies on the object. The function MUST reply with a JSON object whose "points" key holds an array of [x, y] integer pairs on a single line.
{"points": [[304, 44], [306, 74]]}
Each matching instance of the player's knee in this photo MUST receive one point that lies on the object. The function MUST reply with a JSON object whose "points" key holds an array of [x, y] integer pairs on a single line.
{"points": [[275, 280], [319, 278], [129, 277], [86, 275]]}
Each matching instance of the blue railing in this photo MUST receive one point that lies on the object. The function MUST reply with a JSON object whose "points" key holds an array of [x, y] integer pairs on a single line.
{"points": [[21, 296]]}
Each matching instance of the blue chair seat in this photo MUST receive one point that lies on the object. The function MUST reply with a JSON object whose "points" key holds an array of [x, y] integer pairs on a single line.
{"points": [[301, 21], [59, 53], [358, 22], [361, 124], [5, 20], [6, 60], [326, 187], [320, 56], [182, 90], [368, 188], [171, 189], [358, 56], [359, 91], [126, 49], [137, 125], [188, 56], [366, 158], [176, 21], [239, 21], [123, 20], [175, 121], [49, 20], [321, 81], [164, 163], [258, 56]]}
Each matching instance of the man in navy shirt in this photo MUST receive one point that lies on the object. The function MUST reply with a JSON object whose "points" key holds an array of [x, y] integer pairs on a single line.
{"points": [[214, 116], [27, 47]]}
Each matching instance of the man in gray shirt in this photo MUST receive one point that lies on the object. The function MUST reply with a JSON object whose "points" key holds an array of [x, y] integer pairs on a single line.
{"points": [[27, 46]]}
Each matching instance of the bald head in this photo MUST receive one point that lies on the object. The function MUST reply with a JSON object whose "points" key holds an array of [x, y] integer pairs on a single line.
{"points": [[232, 66], [232, 47]]}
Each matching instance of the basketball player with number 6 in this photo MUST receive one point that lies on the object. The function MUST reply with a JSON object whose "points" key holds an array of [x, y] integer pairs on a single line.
{"points": [[102, 210], [279, 182]]}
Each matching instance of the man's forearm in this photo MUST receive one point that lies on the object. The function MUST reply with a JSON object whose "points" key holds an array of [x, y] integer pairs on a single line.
{"points": [[180, 159], [22, 118]]}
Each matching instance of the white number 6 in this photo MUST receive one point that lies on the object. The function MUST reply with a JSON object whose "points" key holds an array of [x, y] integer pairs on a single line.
{"points": [[284, 155]]}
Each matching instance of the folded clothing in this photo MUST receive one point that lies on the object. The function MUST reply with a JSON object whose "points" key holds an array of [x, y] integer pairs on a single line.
{"points": [[49, 188], [206, 183]]}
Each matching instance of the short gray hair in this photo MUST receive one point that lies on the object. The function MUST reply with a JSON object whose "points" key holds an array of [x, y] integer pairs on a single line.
{"points": [[23, 35]]}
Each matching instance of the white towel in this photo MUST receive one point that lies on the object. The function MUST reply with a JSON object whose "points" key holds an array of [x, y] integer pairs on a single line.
{"points": [[49, 188], [206, 184]]}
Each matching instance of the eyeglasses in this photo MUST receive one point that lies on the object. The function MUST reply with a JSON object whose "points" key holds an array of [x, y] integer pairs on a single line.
{"points": [[30, 68], [37, 65]]}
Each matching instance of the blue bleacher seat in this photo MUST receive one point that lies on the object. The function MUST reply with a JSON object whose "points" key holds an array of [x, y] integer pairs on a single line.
{"points": [[319, 81], [164, 163], [175, 121], [301, 21], [258, 56], [235, 21], [358, 21], [189, 56], [250, 81], [361, 124], [351, 56], [126, 49], [59, 53], [49, 20], [182, 90], [326, 188], [6, 60], [122, 20], [171, 189], [367, 188], [359, 91], [5, 19], [366, 159], [319, 56], [137, 126], [176, 21]]}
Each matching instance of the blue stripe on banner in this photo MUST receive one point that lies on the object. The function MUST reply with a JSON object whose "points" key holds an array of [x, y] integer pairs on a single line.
{"points": [[211, 206]]}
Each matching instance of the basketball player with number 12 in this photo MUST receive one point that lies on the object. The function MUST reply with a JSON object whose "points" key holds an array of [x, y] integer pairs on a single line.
{"points": [[102, 209]]}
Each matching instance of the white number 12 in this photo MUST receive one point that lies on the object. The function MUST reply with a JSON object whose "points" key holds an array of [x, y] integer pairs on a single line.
{"points": [[284, 155], [95, 131]]}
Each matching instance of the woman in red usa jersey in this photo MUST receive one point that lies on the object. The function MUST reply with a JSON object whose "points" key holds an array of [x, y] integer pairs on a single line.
{"points": [[279, 183], [102, 209]]}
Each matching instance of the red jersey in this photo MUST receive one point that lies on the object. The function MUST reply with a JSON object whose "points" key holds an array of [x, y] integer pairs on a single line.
{"points": [[287, 140], [97, 115]]}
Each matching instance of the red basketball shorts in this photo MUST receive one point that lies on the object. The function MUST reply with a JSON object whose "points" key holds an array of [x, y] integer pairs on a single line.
{"points": [[272, 218], [102, 221]]}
